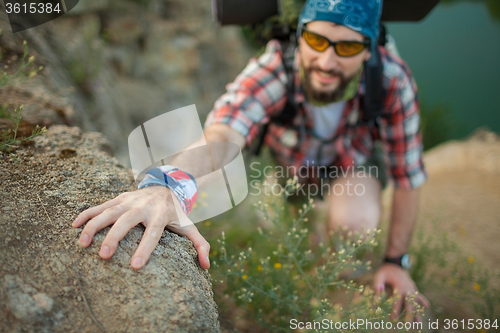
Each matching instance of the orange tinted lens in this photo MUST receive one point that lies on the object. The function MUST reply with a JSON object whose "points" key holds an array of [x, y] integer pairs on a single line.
{"points": [[316, 42], [347, 49]]}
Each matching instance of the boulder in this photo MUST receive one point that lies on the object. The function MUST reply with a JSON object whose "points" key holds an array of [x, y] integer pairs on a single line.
{"points": [[479, 153], [49, 284]]}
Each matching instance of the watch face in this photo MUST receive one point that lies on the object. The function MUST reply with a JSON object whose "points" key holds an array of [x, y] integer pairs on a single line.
{"points": [[406, 261]]}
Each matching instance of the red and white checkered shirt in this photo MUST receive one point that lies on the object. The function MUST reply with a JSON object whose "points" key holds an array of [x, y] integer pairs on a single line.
{"points": [[259, 93]]}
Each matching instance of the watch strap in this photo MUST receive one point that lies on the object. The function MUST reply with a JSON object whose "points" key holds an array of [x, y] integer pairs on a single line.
{"points": [[402, 261]]}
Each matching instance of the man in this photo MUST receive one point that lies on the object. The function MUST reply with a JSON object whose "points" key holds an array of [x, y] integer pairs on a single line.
{"points": [[335, 39]]}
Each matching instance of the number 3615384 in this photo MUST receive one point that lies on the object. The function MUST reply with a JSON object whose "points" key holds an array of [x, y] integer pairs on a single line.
{"points": [[470, 324], [32, 8]]}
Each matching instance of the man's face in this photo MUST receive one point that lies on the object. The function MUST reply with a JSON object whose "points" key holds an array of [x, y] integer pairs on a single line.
{"points": [[326, 73]]}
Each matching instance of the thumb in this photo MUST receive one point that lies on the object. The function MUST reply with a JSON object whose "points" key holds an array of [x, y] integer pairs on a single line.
{"points": [[200, 244]]}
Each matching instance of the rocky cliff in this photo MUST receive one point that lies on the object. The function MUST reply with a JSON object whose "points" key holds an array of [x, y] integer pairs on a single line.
{"points": [[49, 284], [110, 65]]}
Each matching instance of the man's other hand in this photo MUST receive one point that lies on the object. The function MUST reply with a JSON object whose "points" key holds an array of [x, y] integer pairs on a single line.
{"points": [[399, 280], [151, 206]]}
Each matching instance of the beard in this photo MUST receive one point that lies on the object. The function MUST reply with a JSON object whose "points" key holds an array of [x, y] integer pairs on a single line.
{"points": [[324, 96]]}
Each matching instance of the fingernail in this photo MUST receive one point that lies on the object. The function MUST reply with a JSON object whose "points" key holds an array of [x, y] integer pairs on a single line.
{"points": [[84, 239], [208, 259], [381, 287], [137, 262], [105, 251]]}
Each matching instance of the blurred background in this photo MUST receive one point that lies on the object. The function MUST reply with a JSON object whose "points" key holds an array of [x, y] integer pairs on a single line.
{"points": [[453, 54], [121, 63]]}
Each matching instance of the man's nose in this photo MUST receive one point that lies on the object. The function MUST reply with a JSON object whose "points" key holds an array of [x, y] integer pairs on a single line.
{"points": [[328, 59]]}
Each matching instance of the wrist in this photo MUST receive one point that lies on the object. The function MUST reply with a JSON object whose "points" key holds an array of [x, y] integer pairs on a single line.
{"points": [[403, 261], [182, 184]]}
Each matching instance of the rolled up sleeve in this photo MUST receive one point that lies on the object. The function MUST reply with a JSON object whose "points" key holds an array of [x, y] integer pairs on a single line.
{"points": [[255, 95], [400, 130]]}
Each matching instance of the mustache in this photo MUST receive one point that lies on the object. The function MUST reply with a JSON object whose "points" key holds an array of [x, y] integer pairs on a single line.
{"points": [[329, 72]]}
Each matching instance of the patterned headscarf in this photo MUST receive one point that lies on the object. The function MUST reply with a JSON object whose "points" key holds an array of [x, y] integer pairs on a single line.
{"points": [[362, 16]]}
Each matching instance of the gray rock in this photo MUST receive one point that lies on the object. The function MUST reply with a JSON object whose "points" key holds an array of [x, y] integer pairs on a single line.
{"points": [[49, 284]]}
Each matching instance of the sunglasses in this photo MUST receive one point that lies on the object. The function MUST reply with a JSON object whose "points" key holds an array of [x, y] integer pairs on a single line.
{"points": [[343, 48]]}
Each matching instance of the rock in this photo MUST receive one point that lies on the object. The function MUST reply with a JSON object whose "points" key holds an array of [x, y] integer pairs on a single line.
{"points": [[87, 6], [25, 304], [111, 65], [480, 152], [47, 281], [124, 28]]}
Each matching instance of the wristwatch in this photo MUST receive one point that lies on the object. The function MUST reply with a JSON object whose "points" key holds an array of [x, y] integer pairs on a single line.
{"points": [[403, 261]]}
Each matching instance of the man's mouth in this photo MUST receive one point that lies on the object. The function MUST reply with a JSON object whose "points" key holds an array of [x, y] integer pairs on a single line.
{"points": [[324, 77]]}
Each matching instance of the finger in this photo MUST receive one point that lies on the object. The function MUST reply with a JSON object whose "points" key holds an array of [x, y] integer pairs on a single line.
{"points": [[397, 307], [200, 243], [122, 226], [101, 221], [94, 211], [379, 284], [423, 301], [148, 243]]}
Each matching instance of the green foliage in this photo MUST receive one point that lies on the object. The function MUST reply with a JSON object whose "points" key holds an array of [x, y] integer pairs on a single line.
{"points": [[9, 138], [85, 62], [25, 67], [276, 25], [440, 265], [438, 123], [280, 278]]}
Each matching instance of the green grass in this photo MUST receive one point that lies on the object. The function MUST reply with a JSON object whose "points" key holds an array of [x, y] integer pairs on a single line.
{"points": [[9, 138], [276, 276]]}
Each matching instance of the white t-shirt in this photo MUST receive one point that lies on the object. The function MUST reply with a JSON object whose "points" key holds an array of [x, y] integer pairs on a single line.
{"points": [[326, 120]]}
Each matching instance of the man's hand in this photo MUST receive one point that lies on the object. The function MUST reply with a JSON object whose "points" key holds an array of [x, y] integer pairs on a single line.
{"points": [[151, 206], [398, 279]]}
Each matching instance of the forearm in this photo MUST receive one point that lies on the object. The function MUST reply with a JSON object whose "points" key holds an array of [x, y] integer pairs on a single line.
{"points": [[403, 218], [201, 159], [196, 161]]}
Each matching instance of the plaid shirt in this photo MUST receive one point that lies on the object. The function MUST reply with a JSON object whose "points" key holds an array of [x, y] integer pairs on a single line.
{"points": [[259, 93]]}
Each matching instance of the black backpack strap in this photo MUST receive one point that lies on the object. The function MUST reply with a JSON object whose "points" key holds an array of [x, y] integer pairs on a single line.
{"points": [[373, 100], [290, 109]]}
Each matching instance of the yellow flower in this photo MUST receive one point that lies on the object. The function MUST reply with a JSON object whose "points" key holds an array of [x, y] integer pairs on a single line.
{"points": [[195, 205], [477, 287], [277, 265], [208, 223], [203, 194], [214, 253], [470, 259], [453, 281], [245, 277], [259, 268]]}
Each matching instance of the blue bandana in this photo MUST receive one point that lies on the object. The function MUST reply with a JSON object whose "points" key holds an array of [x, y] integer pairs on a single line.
{"points": [[362, 16]]}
